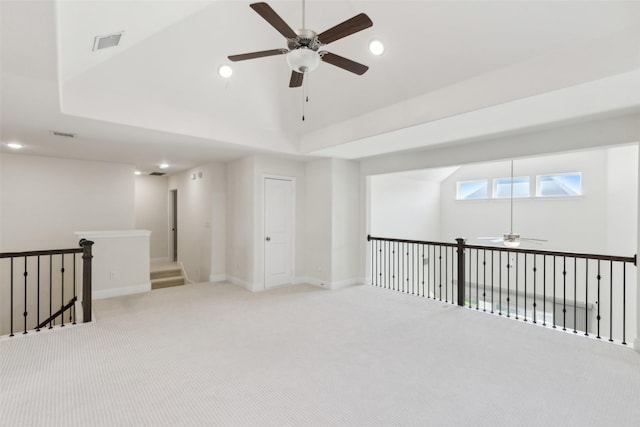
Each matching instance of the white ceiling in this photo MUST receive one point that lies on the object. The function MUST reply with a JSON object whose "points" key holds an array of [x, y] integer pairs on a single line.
{"points": [[451, 71]]}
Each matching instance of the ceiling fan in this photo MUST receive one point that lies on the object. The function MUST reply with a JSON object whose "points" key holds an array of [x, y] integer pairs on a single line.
{"points": [[303, 46], [511, 239]]}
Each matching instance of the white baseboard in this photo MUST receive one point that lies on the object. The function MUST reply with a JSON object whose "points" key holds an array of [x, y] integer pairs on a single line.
{"points": [[217, 278], [118, 292], [252, 287], [327, 284], [159, 260], [346, 283]]}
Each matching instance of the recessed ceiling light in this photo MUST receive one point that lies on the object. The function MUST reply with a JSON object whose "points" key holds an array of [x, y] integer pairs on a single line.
{"points": [[15, 145], [225, 71], [376, 47], [163, 165], [137, 173]]}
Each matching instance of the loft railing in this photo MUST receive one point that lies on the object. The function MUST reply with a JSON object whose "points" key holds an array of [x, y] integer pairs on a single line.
{"points": [[39, 288], [583, 293]]}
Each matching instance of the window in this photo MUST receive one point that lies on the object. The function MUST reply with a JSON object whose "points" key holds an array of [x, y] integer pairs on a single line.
{"points": [[470, 190], [502, 187], [559, 185]]}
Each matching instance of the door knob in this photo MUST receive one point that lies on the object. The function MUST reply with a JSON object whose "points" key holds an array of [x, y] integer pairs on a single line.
{"points": [[268, 239]]}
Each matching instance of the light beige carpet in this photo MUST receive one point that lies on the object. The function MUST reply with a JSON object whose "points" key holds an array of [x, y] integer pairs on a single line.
{"points": [[214, 354]]}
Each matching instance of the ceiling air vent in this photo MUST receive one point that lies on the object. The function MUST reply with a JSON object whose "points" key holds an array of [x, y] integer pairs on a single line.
{"points": [[62, 134], [103, 42], [157, 173]]}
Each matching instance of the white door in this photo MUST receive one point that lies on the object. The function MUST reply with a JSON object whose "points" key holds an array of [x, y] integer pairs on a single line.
{"points": [[278, 232]]}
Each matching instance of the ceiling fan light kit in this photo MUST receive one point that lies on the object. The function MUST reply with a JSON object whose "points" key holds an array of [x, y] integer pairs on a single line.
{"points": [[303, 46], [303, 60]]}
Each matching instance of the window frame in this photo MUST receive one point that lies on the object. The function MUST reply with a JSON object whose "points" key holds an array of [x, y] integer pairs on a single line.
{"points": [[486, 184], [538, 186]]}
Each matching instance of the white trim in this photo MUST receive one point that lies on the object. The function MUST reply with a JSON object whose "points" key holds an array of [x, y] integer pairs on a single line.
{"points": [[159, 260], [251, 287], [346, 283], [112, 234], [217, 278], [117, 292], [325, 284]]}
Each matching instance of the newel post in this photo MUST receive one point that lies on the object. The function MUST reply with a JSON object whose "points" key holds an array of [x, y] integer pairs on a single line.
{"points": [[461, 264], [86, 279]]}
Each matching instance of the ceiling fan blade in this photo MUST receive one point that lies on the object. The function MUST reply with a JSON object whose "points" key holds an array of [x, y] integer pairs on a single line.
{"points": [[274, 19], [346, 28], [296, 79], [533, 240], [497, 241], [344, 63], [488, 238], [261, 54]]}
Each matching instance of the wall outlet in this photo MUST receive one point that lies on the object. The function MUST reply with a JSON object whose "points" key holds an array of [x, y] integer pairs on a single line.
{"points": [[114, 275], [319, 268]]}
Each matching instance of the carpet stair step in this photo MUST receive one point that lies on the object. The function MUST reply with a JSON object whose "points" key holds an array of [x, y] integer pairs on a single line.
{"points": [[167, 282], [161, 274]]}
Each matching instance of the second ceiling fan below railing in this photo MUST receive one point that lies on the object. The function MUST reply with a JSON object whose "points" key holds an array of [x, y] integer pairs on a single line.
{"points": [[303, 46], [511, 239]]}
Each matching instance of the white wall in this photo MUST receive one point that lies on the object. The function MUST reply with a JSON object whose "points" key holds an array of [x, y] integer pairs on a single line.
{"points": [[45, 200], [202, 220], [152, 212], [404, 208], [318, 233], [345, 221], [622, 200], [240, 211]]}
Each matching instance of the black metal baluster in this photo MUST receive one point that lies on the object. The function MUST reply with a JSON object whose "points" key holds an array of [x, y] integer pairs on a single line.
{"points": [[405, 269], [50, 291], [469, 271], [535, 294], [500, 283], [508, 284], [72, 312], [38, 299], [624, 302], [446, 275], [492, 279], [372, 263], [387, 261], [598, 301], [544, 290], [586, 296], [525, 287], [575, 295], [11, 311], [564, 293], [484, 280], [440, 275], [24, 313], [517, 280], [477, 279], [413, 268], [554, 292], [611, 301], [62, 294], [393, 266], [453, 269], [423, 270]]}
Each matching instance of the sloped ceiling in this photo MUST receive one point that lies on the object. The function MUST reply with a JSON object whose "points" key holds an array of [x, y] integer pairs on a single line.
{"points": [[488, 67]]}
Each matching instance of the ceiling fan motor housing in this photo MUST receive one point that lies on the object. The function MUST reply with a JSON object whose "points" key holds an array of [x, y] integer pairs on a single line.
{"points": [[303, 56]]}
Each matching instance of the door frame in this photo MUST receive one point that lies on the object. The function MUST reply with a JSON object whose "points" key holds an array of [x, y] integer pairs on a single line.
{"points": [[173, 225], [262, 235]]}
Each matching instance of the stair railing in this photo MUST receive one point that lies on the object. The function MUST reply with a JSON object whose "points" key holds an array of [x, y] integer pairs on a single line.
{"points": [[582, 293], [34, 280]]}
